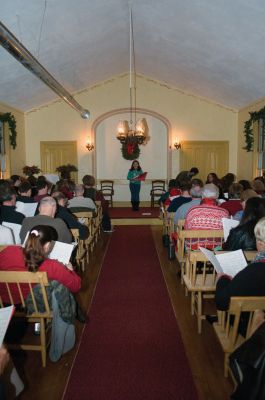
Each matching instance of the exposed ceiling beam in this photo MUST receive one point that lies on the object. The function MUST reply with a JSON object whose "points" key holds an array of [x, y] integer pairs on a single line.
{"points": [[20, 53]]}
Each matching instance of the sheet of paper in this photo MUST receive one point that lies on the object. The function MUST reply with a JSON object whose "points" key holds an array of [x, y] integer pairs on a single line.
{"points": [[62, 252], [15, 229], [232, 262], [228, 224], [213, 259], [5, 317], [53, 178], [28, 209]]}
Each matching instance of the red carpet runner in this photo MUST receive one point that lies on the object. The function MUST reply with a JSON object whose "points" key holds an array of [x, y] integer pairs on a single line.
{"points": [[131, 349], [127, 212]]}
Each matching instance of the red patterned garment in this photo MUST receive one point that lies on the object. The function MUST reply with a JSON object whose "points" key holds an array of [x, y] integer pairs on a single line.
{"points": [[206, 216]]}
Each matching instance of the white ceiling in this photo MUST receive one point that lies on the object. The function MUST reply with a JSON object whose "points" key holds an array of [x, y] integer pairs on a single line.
{"points": [[211, 48]]}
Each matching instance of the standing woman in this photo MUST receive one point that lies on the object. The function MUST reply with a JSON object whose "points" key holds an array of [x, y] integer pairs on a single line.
{"points": [[135, 185]]}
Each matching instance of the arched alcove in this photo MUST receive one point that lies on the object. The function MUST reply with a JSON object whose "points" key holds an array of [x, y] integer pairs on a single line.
{"points": [[155, 156]]}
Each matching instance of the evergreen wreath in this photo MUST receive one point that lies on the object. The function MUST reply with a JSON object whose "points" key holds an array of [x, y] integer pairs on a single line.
{"points": [[248, 127], [130, 150], [10, 119]]}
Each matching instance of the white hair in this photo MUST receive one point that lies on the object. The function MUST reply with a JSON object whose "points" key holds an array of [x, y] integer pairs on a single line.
{"points": [[210, 191], [260, 230]]}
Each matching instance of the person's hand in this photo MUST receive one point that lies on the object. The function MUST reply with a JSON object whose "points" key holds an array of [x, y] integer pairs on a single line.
{"points": [[4, 359], [69, 266]]}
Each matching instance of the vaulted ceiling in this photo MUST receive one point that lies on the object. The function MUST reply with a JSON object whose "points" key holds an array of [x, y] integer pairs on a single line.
{"points": [[210, 48]]}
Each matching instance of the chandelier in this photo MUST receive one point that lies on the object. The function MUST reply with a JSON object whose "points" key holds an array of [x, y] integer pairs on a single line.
{"points": [[132, 132]]}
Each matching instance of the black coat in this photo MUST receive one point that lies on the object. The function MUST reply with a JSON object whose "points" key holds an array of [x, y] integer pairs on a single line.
{"points": [[71, 221], [241, 237], [249, 360]]}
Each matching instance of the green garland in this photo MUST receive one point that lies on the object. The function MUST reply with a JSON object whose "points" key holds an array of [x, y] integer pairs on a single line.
{"points": [[248, 128], [130, 150], [10, 119]]}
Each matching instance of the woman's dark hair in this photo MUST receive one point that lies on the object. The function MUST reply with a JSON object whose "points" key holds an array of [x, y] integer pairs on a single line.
{"points": [[24, 187], [215, 178], [138, 169], [172, 183], [88, 180], [254, 210], [34, 253], [246, 184]]}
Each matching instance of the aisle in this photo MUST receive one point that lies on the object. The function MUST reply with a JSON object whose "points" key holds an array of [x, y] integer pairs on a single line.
{"points": [[132, 348]]}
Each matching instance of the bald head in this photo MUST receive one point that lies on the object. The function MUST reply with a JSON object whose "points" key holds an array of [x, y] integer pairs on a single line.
{"points": [[47, 206]]}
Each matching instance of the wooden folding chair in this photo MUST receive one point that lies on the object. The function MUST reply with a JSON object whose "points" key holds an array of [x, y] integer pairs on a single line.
{"points": [[91, 224], [158, 188], [81, 249], [188, 240], [227, 327], [98, 219], [200, 282], [107, 189], [17, 281]]}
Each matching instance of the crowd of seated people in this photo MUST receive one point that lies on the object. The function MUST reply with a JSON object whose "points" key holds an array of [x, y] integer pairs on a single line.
{"points": [[53, 220], [243, 201]]}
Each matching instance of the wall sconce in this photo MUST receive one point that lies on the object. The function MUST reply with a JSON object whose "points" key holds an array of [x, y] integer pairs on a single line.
{"points": [[177, 145], [89, 146]]}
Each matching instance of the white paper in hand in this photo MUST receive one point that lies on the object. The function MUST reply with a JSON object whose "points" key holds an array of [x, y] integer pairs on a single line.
{"points": [[228, 224], [212, 258], [62, 252], [5, 317]]}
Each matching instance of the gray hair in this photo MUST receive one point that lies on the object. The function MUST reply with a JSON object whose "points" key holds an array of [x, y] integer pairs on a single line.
{"points": [[196, 192], [210, 191], [79, 189], [47, 201], [259, 230]]}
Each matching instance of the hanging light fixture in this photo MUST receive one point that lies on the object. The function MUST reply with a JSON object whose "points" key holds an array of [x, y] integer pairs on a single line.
{"points": [[132, 132]]}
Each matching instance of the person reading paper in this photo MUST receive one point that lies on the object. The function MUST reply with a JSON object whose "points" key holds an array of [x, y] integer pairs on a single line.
{"points": [[135, 176]]}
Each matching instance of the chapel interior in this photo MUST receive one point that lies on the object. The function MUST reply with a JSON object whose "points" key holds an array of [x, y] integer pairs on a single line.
{"points": [[194, 71]]}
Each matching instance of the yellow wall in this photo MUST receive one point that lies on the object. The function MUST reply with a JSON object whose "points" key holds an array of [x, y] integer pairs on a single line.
{"points": [[245, 158], [17, 156], [192, 118]]}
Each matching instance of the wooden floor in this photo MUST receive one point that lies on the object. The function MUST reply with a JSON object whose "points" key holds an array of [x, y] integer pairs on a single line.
{"points": [[203, 351]]}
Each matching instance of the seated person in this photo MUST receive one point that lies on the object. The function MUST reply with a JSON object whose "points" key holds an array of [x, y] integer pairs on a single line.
{"points": [[8, 206], [196, 195], [46, 216], [96, 195], [42, 188], [242, 236], [207, 215], [171, 184], [259, 186], [66, 187], [81, 203], [66, 215], [34, 257], [233, 204], [174, 193], [25, 193], [15, 182], [248, 282], [184, 197], [245, 195]]}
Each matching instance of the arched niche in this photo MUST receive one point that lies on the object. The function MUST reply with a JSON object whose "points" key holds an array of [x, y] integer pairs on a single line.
{"points": [[155, 156]]}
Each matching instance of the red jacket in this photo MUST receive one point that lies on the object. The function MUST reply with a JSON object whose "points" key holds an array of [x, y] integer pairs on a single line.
{"points": [[12, 259]]}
